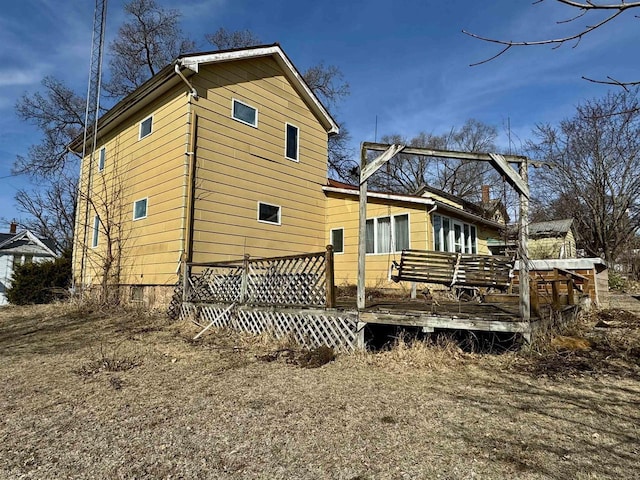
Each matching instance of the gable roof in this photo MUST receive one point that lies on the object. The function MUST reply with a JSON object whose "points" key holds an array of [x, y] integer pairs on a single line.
{"points": [[21, 239], [189, 65], [551, 228], [345, 188]]}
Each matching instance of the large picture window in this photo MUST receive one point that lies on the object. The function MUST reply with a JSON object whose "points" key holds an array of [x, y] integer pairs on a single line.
{"points": [[387, 234], [452, 235]]}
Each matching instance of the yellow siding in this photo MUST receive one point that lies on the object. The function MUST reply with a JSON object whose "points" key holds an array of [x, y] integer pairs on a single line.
{"points": [[239, 165], [153, 168]]}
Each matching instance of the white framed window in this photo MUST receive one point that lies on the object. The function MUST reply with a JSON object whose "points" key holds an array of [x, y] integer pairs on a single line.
{"points": [[244, 113], [337, 240], [452, 235], [102, 157], [140, 208], [146, 127], [268, 213], [387, 234], [292, 147], [96, 231]]}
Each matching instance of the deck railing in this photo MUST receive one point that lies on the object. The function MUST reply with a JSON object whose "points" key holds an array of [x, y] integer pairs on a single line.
{"points": [[294, 280]]}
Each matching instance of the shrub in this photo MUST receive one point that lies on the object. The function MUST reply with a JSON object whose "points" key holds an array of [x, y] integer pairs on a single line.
{"points": [[40, 282]]}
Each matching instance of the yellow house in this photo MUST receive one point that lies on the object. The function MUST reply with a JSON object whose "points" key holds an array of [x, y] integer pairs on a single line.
{"points": [[430, 220], [217, 155]]}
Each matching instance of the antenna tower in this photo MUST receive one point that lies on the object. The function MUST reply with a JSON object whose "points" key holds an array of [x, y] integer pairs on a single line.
{"points": [[92, 112]]}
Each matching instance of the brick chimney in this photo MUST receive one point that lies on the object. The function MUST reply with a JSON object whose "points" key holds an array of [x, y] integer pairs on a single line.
{"points": [[13, 228], [486, 194]]}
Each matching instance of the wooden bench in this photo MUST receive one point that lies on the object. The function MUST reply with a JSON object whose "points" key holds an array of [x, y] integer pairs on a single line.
{"points": [[453, 269]]}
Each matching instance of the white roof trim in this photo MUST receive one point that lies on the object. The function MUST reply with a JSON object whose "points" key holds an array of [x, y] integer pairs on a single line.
{"points": [[30, 236], [193, 62], [384, 196]]}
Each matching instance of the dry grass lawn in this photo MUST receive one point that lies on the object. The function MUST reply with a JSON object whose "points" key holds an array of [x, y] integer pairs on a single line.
{"points": [[95, 395]]}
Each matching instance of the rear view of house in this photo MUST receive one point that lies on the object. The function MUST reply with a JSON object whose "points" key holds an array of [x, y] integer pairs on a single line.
{"points": [[218, 155]]}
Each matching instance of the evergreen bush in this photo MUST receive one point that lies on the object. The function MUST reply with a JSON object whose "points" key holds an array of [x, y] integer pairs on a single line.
{"points": [[40, 282]]}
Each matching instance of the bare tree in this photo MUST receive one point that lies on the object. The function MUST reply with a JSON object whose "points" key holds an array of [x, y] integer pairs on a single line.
{"points": [[596, 160], [408, 173], [51, 210], [224, 39], [578, 10], [148, 41], [59, 115]]}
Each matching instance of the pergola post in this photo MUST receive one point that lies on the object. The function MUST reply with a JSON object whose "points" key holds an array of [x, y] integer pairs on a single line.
{"points": [[523, 229]]}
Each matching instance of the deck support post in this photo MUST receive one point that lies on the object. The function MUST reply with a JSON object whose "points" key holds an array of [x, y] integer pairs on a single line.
{"points": [[360, 335], [525, 301], [329, 280]]}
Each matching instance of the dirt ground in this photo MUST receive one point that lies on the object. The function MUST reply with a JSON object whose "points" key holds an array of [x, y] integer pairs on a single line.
{"points": [[89, 394]]}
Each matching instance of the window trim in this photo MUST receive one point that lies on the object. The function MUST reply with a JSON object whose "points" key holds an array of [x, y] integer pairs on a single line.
{"points": [[286, 141], [233, 102], [95, 231], [102, 159], [140, 136], [279, 222], [393, 233], [331, 240], [146, 208]]}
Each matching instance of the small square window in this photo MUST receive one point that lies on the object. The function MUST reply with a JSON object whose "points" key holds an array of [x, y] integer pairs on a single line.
{"points": [[140, 209], [337, 240], [269, 213], [146, 126], [96, 230], [292, 142], [244, 113], [102, 158]]}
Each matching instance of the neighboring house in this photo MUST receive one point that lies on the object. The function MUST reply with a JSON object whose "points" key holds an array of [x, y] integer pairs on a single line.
{"points": [[429, 220], [217, 155], [547, 240], [18, 248]]}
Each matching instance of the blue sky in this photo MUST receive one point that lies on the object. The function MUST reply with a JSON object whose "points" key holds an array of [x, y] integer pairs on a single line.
{"points": [[407, 62]]}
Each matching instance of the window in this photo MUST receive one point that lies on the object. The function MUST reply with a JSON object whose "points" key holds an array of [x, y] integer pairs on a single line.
{"points": [[96, 229], [268, 213], [337, 240], [292, 142], [450, 235], [146, 126], [244, 113], [101, 159], [140, 209], [387, 234]]}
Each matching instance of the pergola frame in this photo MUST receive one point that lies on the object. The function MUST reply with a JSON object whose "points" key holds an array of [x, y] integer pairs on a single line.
{"points": [[519, 180]]}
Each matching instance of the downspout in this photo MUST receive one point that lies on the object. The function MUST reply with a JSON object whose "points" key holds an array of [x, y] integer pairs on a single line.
{"points": [[188, 172]]}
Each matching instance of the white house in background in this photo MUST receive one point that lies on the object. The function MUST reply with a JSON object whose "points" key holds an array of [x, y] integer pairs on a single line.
{"points": [[18, 248]]}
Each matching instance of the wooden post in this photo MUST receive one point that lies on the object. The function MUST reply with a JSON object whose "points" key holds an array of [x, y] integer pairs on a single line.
{"points": [[525, 306], [555, 289], [571, 299], [186, 271], [330, 282], [362, 232], [244, 285], [534, 297]]}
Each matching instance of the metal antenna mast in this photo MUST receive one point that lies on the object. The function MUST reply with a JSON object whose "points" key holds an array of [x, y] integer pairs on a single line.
{"points": [[91, 115]]}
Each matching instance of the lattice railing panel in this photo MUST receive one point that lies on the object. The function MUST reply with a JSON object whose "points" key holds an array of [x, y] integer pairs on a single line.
{"points": [[298, 280], [287, 281], [309, 329], [216, 284]]}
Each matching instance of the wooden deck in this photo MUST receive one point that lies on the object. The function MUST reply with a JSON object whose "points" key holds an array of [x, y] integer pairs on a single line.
{"points": [[451, 315]]}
